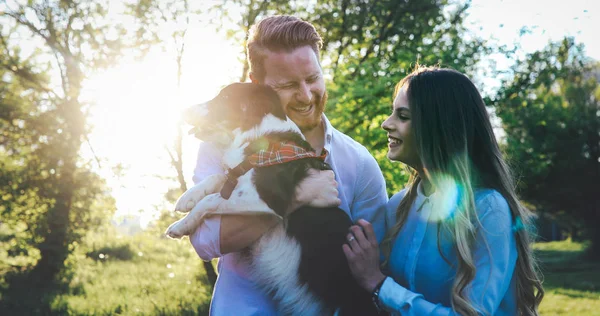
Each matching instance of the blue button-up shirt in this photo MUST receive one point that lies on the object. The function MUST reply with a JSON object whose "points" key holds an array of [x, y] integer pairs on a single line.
{"points": [[421, 280], [362, 193]]}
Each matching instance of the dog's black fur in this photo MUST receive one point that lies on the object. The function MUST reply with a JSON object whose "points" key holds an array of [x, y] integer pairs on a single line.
{"points": [[321, 232]]}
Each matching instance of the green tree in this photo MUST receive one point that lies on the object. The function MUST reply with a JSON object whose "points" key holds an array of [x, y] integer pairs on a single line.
{"points": [[550, 111], [370, 45], [236, 17], [49, 186]]}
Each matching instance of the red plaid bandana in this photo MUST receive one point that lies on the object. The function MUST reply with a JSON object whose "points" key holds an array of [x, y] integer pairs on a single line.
{"points": [[282, 152], [268, 154]]}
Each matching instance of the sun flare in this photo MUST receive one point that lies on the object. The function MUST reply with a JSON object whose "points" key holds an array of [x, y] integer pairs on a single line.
{"points": [[134, 112]]}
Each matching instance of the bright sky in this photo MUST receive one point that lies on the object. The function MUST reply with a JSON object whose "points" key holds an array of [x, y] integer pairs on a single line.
{"points": [[137, 103]]}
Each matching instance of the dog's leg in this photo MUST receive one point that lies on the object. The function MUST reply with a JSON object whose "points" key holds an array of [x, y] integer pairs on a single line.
{"points": [[193, 195], [193, 219], [275, 262]]}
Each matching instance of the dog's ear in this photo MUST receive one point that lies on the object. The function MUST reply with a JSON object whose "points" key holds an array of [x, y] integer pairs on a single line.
{"points": [[252, 112], [244, 108]]}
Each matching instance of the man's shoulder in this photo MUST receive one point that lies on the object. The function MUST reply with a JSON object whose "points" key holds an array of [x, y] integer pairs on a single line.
{"points": [[348, 143]]}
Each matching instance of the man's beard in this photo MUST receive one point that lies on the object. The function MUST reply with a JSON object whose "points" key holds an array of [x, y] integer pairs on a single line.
{"points": [[319, 109]]}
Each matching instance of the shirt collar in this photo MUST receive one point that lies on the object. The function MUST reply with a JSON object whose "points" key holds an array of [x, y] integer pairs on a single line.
{"points": [[328, 132]]}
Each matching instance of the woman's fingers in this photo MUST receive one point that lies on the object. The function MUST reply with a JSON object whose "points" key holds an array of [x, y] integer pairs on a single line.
{"points": [[369, 231], [360, 237], [348, 252], [352, 242]]}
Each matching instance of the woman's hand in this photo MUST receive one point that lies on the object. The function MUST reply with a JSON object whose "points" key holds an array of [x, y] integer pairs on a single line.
{"points": [[318, 189], [362, 252]]}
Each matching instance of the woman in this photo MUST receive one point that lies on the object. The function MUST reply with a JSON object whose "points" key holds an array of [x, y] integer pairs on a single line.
{"points": [[456, 241]]}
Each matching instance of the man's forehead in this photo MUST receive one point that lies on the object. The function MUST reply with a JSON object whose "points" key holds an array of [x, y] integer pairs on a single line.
{"points": [[290, 65]]}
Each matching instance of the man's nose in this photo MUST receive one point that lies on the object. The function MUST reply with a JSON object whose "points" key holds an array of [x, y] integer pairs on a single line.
{"points": [[304, 95]]}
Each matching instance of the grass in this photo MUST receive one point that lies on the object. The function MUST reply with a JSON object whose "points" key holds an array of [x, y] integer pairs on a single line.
{"points": [[572, 284], [147, 274], [162, 277]]}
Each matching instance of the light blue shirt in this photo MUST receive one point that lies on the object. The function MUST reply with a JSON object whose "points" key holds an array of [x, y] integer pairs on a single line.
{"points": [[421, 280], [362, 193]]}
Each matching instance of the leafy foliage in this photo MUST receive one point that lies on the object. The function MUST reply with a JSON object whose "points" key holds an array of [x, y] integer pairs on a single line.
{"points": [[50, 195], [370, 46], [551, 114]]}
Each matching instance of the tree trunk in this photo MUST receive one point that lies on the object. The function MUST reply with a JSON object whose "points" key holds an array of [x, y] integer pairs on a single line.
{"points": [[54, 248], [210, 273]]}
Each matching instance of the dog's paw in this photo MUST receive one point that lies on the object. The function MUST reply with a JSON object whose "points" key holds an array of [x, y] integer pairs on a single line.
{"points": [[186, 203], [191, 197], [176, 230]]}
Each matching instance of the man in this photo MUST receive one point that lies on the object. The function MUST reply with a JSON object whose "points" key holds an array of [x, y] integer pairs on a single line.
{"points": [[283, 52]]}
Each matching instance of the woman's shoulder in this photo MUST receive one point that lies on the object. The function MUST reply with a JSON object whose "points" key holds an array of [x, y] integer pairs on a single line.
{"points": [[492, 206], [486, 197], [391, 207], [396, 198]]}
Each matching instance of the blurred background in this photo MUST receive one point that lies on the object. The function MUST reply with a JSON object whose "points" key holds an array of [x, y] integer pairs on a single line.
{"points": [[93, 155]]}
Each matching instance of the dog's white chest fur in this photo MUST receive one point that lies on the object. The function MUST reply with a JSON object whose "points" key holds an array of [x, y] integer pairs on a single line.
{"points": [[275, 256]]}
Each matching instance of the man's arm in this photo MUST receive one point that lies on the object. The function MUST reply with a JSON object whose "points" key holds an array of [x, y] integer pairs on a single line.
{"points": [[319, 189], [240, 231], [370, 196]]}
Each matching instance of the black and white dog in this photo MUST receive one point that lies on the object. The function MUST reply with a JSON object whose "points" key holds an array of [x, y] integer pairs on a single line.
{"points": [[300, 262]]}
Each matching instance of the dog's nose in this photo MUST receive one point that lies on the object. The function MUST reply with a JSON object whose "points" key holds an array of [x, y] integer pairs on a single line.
{"points": [[195, 114]]}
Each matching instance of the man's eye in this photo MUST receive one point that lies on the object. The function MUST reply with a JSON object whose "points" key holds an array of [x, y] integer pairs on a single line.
{"points": [[312, 79]]}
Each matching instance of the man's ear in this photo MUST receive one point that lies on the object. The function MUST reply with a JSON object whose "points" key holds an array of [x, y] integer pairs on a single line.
{"points": [[253, 78]]}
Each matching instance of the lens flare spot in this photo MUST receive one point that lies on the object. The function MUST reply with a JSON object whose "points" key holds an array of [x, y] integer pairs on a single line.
{"points": [[446, 199]]}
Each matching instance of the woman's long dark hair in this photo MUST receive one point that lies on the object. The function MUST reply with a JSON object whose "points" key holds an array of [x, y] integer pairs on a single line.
{"points": [[457, 145]]}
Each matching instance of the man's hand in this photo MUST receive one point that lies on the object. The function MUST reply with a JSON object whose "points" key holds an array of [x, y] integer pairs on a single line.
{"points": [[241, 231], [318, 189]]}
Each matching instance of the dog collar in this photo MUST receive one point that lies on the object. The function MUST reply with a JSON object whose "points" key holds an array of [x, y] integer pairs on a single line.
{"points": [[267, 153]]}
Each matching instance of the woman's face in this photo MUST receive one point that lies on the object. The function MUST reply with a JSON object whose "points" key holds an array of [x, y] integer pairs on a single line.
{"points": [[401, 140]]}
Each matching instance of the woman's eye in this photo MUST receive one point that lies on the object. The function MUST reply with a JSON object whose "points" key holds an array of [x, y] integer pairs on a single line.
{"points": [[403, 117]]}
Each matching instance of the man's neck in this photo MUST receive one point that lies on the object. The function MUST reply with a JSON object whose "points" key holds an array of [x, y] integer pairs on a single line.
{"points": [[316, 137]]}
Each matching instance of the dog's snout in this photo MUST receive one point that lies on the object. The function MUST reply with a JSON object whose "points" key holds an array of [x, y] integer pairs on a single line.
{"points": [[195, 114]]}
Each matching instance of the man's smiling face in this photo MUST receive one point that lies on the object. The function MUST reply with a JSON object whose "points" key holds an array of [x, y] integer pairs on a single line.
{"points": [[297, 78]]}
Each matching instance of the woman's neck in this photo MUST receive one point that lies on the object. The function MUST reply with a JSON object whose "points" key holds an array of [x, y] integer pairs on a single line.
{"points": [[427, 186]]}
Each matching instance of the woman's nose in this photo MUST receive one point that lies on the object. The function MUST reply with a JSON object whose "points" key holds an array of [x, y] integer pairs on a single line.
{"points": [[386, 125]]}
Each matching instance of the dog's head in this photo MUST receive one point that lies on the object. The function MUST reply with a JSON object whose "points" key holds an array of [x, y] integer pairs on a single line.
{"points": [[239, 107]]}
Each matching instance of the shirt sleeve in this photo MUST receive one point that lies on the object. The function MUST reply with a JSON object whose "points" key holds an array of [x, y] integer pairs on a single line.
{"points": [[206, 238], [370, 197], [495, 258]]}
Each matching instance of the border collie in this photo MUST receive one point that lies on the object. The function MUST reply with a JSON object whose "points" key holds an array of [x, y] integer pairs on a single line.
{"points": [[300, 262]]}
